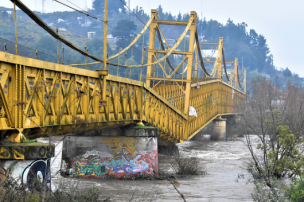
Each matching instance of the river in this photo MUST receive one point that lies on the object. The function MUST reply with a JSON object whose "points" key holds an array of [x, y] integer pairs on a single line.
{"points": [[223, 161]]}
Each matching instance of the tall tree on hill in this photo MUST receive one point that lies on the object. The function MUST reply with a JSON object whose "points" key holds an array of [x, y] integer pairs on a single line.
{"points": [[161, 14], [262, 51], [179, 17], [4, 15], [287, 72], [114, 5], [124, 30]]}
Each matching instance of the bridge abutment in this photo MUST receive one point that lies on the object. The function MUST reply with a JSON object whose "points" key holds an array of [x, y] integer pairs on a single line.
{"points": [[219, 129], [27, 163], [131, 152]]}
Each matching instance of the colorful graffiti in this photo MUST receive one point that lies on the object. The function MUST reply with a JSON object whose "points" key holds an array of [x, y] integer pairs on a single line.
{"points": [[37, 170], [27, 170], [121, 143], [92, 164]]}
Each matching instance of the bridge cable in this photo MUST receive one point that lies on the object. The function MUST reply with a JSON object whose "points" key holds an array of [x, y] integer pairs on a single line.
{"points": [[200, 55], [238, 77], [94, 63], [54, 34], [163, 47], [163, 58], [132, 66], [125, 49], [225, 65], [42, 24], [173, 47]]}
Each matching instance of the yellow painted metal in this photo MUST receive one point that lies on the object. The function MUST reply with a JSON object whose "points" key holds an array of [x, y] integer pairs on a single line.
{"points": [[38, 97], [191, 26], [74, 95], [233, 73], [125, 49], [219, 58], [57, 46], [86, 58], [104, 72], [236, 72], [218, 62], [245, 82]]}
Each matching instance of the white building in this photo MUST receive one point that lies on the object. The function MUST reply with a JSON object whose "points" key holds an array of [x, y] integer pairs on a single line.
{"points": [[91, 35], [60, 20]]}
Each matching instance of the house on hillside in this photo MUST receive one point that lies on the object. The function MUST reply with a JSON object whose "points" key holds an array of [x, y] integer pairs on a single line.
{"points": [[111, 40], [59, 20], [91, 35]]}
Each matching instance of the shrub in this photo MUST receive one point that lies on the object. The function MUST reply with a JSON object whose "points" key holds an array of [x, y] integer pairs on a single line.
{"points": [[295, 192], [188, 166], [14, 191]]}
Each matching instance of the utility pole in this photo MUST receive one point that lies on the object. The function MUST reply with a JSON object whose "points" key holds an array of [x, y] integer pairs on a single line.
{"points": [[105, 36], [103, 73], [43, 11]]}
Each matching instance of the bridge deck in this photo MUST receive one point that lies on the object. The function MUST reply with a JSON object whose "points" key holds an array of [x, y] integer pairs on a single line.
{"points": [[40, 98]]}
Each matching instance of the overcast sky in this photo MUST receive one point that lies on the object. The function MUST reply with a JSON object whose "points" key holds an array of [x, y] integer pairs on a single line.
{"points": [[280, 21]]}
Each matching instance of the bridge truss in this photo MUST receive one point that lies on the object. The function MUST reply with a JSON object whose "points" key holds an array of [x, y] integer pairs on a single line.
{"points": [[40, 98]]}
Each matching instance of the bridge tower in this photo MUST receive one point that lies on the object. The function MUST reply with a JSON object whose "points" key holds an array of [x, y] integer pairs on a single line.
{"points": [[184, 83]]}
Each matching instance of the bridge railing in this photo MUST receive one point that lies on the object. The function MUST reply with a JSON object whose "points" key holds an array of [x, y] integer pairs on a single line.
{"points": [[38, 96]]}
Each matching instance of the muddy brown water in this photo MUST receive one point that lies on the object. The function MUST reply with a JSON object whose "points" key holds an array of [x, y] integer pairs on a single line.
{"points": [[226, 178]]}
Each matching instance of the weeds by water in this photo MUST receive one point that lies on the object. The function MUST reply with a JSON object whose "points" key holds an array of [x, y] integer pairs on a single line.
{"points": [[14, 191], [188, 166]]}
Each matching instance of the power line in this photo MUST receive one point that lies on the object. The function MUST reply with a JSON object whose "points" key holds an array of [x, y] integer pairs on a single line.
{"points": [[132, 12], [85, 13], [89, 15], [77, 6]]}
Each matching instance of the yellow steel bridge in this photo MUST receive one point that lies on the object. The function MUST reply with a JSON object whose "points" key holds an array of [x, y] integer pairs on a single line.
{"points": [[39, 97]]}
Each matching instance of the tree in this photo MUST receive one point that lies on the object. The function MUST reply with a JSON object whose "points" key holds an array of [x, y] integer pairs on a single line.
{"points": [[4, 15], [179, 17], [161, 14], [287, 72], [275, 117], [124, 30]]}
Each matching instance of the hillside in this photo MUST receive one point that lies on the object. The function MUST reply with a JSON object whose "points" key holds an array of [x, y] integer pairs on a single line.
{"points": [[249, 46]]}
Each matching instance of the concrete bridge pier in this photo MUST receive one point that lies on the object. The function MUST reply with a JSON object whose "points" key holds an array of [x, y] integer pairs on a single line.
{"points": [[219, 129], [112, 153], [28, 163]]}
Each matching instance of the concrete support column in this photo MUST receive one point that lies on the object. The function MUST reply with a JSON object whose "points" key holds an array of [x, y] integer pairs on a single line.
{"points": [[29, 163], [133, 152], [219, 129]]}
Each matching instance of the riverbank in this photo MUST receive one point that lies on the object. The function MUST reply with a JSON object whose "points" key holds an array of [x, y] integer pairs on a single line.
{"points": [[226, 178]]}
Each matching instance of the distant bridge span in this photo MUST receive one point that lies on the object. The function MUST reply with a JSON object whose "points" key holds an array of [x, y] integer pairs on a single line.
{"points": [[38, 96]]}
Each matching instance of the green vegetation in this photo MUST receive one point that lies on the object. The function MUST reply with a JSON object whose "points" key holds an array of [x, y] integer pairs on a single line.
{"points": [[14, 191], [295, 191], [276, 117], [250, 47]]}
